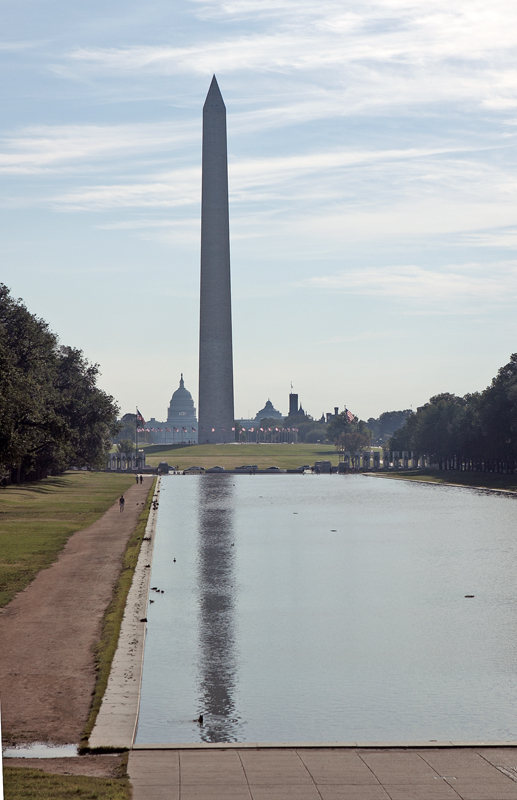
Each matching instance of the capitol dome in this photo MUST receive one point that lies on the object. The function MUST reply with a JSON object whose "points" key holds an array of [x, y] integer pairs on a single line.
{"points": [[182, 416], [182, 404]]}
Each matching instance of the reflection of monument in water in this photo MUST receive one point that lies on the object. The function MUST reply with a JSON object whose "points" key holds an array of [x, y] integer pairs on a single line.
{"points": [[216, 414], [216, 584]]}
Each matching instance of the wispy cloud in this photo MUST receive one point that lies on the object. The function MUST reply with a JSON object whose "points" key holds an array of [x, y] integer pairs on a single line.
{"points": [[457, 283], [43, 148], [426, 51], [11, 47], [182, 187]]}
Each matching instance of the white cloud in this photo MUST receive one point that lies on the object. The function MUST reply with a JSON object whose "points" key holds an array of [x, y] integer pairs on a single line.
{"points": [[46, 147], [375, 55], [457, 283], [182, 187]]}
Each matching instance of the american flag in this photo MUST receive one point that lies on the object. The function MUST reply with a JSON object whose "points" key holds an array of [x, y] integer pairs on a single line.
{"points": [[213, 430], [176, 430], [350, 417], [168, 429], [194, 430], [232, 429], [184, 429], [139, 418]]}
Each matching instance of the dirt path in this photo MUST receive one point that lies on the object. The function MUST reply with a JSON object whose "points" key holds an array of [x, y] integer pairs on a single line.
{"points": [[49, 631]]}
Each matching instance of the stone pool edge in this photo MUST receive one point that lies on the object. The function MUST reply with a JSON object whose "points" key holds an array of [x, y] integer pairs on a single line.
{"points": [[115, 728], [321, 745]]}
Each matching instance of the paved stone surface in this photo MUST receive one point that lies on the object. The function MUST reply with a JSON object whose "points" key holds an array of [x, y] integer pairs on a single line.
{"points": [[116, 721], [288, 773]]}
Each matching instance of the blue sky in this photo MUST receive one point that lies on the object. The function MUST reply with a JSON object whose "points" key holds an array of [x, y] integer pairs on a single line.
{"points": [[372, 169]]}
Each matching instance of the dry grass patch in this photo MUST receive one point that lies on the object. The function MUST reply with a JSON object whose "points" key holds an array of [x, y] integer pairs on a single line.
{"points": [[33, 784]]}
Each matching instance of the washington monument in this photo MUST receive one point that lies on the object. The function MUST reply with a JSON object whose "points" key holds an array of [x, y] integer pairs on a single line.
{"points": [[216, 414]]}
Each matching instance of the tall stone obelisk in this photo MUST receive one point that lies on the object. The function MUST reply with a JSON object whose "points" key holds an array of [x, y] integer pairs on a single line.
{"points": [[216, 414]]}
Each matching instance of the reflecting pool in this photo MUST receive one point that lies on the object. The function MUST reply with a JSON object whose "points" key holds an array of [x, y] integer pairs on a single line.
{"points": [[330, 608]]}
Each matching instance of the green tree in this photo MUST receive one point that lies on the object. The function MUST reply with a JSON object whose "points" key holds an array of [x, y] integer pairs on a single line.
{"points": [[386, 424], [350, 435], [126, 446], [51, 412]]}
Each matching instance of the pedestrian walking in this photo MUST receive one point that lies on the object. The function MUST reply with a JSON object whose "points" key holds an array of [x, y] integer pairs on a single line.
{"points": [[141, 479], [121, 502], [136, 478]]}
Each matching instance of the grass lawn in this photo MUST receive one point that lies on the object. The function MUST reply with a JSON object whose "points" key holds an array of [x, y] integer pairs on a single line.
{"points": [[229, 456], [33, 784], [36, 520], [487, 480]]}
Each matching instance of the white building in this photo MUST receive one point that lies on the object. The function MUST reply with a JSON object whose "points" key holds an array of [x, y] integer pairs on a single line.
{"points": [[181, 426], [181, 417]]}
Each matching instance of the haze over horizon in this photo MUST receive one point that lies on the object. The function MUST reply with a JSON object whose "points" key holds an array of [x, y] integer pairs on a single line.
{"points": [[372, 174]]}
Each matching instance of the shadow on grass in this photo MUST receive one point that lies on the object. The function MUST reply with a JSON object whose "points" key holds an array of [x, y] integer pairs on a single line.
{"points": [[41, 488]]}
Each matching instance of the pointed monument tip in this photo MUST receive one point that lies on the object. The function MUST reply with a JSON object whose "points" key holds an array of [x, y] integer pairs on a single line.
{"points": [[214, 96]]}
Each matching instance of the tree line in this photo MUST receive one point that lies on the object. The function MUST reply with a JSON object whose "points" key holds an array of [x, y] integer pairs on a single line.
{"points": [[475, 432], [52, 414]]}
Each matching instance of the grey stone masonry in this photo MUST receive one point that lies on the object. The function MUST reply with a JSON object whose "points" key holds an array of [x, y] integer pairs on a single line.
{"points": [[216, 411]]}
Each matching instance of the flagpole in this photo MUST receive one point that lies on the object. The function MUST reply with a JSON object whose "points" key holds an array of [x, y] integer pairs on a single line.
{"points": [[136, 432]]}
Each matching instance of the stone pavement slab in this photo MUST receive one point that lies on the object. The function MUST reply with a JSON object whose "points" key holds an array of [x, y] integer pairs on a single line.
{"points": [[212, 769], [290, 773], [343, 792], [399, 767], [283, 767], [335, 767]]}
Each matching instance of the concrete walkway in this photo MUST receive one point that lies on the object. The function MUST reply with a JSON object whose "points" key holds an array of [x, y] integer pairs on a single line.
{"points": [[434, 773]]}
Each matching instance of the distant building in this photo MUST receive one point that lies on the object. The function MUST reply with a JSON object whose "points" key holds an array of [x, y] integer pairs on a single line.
{"points": [[293, 405], [181, 426], [268, 412], [295, 410], [181, 416]]}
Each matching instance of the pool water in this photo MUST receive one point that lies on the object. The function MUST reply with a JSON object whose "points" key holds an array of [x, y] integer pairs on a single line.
{"points": [[330, 608]]}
